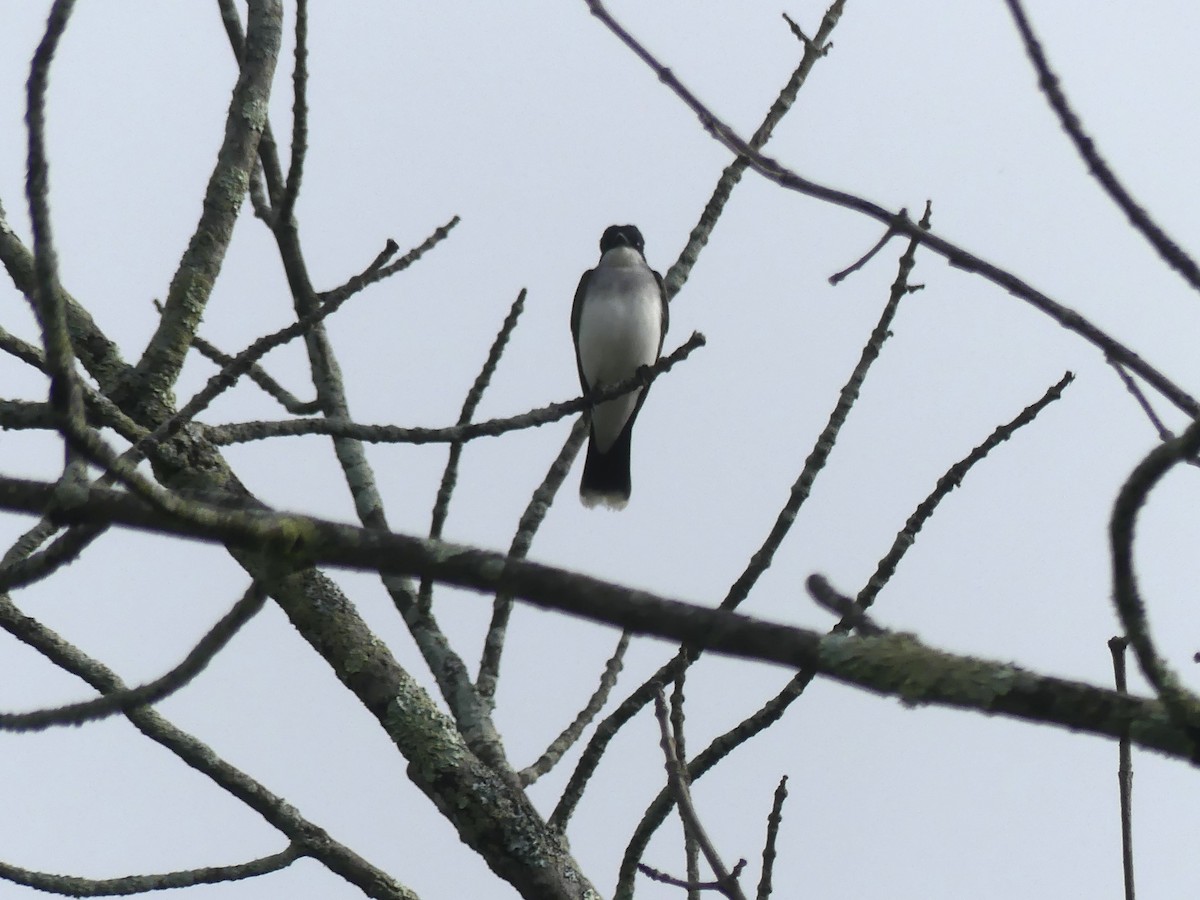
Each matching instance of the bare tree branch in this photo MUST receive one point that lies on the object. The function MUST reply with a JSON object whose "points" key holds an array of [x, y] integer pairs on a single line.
{"points": [[768, 855], [24, 564], [1170, 252], [270, 168], [65, 397], [838, 277], [571, 734], [853, 617], [188, 294], [948, 482], [258, 198], [1164, 433], [531, 520], [954, 254], [100, 356], [239, 432], [259, 376], [702, 763], [26, 352], [692, 886], [471, 716], [380, 268], [25, 415], [73, 886], [313, 840], [1117, 646], [101, 411], [120, 701], [678, 274], [894, 665], [291, 190], [1181, 704], [241, 364], [457, 760], [441, 505], [691, 847], [677, 779]]}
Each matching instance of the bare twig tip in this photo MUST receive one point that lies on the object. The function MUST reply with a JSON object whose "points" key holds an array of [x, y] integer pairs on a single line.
{"points": [[810, 45]]}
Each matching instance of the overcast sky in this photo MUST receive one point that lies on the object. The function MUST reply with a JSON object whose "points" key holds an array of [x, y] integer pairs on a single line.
{"points": [[538, 128]]}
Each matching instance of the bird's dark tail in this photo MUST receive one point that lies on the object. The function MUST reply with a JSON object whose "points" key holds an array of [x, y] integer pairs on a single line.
{"points": [[605, 480]]}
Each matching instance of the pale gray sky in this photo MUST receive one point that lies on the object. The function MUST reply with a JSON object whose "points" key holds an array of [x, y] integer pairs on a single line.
{"points": [[538, 128]]}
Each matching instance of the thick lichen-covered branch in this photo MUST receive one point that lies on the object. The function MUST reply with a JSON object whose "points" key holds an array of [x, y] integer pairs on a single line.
{"points": [[188, 295], [895, 665]]}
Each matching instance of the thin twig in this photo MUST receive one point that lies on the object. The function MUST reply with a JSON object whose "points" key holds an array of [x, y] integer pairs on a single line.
{"points": [[1164, 433], [441, 505], [27, 543], [677, 778], [472, 718], [121, 701], [381, 269], [25, 414], [768, 855], [851, 615], [255, 373], [948, 482], [241, 363], [23, 564], [100, 409], [678, 717], [531, 520], [258, 197], [291, 190], [819, 455], [259, 376], [470, 715], [22, 350], [74, 886], [692, 885], [570, 735], [720, 747], [837, 277], [1117, 646], [691, 848], [535, 513], [809, 43], [240, 432]]}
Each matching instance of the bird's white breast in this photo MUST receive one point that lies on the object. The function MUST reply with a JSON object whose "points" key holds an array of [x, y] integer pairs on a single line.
{"points": [[620, 330]]}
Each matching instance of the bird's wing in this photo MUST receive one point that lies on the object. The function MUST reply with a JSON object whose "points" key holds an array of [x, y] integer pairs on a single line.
{"points": [[666, 311], [576, 312]]}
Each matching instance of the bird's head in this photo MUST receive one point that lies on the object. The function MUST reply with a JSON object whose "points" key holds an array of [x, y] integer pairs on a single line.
{"points": [[622, 236]]}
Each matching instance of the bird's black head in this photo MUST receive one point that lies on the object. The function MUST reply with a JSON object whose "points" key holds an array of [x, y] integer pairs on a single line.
{"points": [[621, 236]]}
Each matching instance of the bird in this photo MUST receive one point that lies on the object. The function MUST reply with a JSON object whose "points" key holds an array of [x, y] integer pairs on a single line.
{"points": [[618, 320]]}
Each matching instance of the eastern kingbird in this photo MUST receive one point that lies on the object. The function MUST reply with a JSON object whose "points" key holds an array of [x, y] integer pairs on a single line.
{"points": [[618, 320]]}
